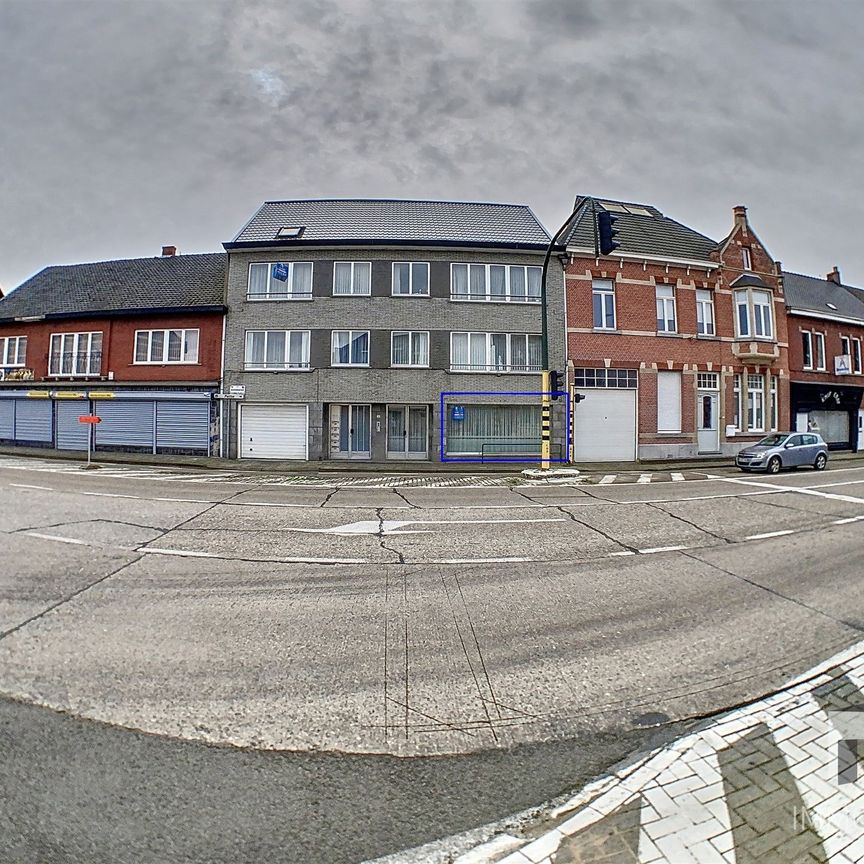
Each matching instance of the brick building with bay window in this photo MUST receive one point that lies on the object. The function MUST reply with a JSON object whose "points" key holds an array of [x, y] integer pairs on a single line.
{"points": [[677, 342]]}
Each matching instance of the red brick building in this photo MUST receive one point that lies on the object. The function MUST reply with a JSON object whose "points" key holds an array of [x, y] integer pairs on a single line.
{"points": [[826, 334], [677, 342], [138, 342]]}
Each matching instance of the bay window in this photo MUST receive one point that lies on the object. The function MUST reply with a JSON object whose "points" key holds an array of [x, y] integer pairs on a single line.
{"points": [[753, 315]]}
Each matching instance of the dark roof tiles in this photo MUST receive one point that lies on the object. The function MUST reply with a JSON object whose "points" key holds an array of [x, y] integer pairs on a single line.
{"points": [[126, 285], [813, 294]]}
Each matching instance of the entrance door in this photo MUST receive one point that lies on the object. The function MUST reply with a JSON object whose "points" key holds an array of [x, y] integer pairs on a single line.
{"points": [[861, 429], [407, 432], [708, 425], [351, 427]]}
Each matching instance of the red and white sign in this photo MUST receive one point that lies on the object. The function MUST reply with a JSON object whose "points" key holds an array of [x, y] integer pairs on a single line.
{"points": [[89, 418]]}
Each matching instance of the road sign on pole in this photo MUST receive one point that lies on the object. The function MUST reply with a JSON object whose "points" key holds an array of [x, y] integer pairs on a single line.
{"points": [[90, 420]]}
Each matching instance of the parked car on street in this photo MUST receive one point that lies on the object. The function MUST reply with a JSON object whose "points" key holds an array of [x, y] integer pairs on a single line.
{"points": [[784, 450]]}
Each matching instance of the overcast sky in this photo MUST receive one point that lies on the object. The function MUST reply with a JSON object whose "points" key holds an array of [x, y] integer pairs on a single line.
{"points": [[128, 125]]}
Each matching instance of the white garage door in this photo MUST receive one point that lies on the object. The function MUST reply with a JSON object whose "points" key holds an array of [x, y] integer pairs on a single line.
{"points": [[604, 426], [273, 431]]}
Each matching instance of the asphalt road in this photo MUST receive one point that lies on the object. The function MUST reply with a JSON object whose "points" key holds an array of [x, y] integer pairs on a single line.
{"points": [[334, 674]]}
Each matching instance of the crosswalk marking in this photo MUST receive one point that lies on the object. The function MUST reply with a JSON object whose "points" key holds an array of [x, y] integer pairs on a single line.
{"points": [[644, 478], [607, 479]]}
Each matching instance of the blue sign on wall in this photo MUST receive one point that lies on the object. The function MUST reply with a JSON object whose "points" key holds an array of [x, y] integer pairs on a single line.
{"points": [[280, 272], [457, 412]]}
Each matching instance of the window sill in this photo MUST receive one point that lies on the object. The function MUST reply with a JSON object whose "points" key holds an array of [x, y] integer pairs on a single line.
{"points": [[349, 296], [165, 363], [289, 298], [494, 371], [669, 334], [409, 366], [607, 331], [708, 337], [425, 296], [349, 366], [459, 299], [261, 369]]}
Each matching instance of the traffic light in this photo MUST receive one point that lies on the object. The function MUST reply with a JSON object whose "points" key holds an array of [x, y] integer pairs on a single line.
{"points": [[606, 233], [556, 383]]}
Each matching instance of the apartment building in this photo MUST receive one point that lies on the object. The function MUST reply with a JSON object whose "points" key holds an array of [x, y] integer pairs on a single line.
{"points": [[389, 330]]}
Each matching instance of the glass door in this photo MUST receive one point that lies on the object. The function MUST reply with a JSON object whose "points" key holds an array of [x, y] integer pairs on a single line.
{"points": [[407, 432], [351, 431]]}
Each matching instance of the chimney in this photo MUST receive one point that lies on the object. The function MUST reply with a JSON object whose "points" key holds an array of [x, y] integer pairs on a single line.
{"points": [[834, 275], [739, 215], [169, 251]]}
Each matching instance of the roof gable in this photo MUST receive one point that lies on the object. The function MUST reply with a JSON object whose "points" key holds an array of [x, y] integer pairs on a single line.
{"points": [[380, 221]]}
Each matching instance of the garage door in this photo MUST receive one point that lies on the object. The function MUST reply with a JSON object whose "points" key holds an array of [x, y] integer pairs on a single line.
{"points": [[604, 426], [273, 431]]}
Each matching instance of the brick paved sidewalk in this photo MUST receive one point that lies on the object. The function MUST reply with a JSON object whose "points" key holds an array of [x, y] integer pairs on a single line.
{"points": [[774, 782]]}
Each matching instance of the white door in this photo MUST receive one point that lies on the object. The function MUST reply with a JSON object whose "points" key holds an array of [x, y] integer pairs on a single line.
{"points": [[407, 432], [707, 422], [274, 431], [861, 428], [604, 426], [351, 431]]}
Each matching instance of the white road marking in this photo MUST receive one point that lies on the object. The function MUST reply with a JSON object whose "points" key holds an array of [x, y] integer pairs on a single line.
{"points": [[651, 551], [183, 553], [393, 526], [57, 538], [676, 476], [146, 497], [644, 478], [801, 490], [848, 520], [606, 479], [769, 534], [621, 554], [29, 486]]}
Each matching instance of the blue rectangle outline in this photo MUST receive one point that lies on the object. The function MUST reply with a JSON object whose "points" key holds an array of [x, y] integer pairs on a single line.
{"points": [[442, 418]]}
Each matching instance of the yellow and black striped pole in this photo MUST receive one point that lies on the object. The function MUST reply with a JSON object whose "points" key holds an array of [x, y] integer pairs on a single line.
{"points": [[545, 422]]}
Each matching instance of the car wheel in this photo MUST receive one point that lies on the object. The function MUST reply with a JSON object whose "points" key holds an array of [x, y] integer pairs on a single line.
{"points": [[774, 465], [821, 462]]}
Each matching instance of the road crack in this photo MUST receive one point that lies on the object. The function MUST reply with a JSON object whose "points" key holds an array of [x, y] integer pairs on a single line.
{"points": [[600, 531], [688, 522]]}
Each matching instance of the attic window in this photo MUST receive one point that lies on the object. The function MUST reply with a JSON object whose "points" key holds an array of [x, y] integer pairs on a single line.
{"points": [[639, 211], [289, 232], [631, 209], [614, 208], [831, 306]]}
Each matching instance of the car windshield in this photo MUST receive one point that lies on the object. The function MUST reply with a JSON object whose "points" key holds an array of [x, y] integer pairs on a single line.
{"points": [[772, 440]]}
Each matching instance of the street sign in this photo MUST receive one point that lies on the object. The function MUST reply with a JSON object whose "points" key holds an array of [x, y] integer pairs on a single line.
{"points": [[457, 412], [89, 418], [90, 421], [237, 391], [280, 272]]}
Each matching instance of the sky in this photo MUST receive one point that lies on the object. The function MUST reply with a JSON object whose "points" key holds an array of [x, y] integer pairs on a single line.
{"points": [[126, 126]]}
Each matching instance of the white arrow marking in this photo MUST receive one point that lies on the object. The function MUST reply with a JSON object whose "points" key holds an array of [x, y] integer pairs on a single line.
{"points": [[393, 526]]}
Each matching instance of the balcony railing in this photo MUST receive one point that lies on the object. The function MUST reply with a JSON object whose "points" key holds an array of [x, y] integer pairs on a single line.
{"points": [[74, 364], [496, 367]]}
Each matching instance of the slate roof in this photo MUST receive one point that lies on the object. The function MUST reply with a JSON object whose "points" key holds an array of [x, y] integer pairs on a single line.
{"points": [[129, 285], [812, 294], [655, 235], [379, 221]]}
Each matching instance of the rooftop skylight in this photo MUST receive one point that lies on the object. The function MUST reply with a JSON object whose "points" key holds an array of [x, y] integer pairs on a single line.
{"points": [[289, 232]]}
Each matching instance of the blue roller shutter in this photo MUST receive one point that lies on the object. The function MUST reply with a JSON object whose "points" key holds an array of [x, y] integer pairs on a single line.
{"points": [[7, 418], [125, 422], [33, 420], [71, 435], [183, 425]]}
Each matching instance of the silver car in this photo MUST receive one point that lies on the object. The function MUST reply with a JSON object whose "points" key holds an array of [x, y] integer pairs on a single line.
{"points": [[784, 450]]}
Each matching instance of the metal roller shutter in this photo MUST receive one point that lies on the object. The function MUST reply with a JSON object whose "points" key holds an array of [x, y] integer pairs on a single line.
{"points": [[71, 435], [184, 425], [125, 422], [273, 431], [604, 426], [33, 420], [7, 418]]}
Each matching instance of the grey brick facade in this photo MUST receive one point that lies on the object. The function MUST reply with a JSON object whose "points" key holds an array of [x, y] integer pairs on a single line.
{"points": [[379, 385]]}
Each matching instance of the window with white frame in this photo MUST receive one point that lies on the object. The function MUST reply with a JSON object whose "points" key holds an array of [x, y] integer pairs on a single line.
{"points": [[755, 403], [350, 348], [277, 350], [807, 349], [774, 404], [746, 258], [75, 354], [495, 352], [666, 309], [410, 279], [704, 312], [856, 356], [819, 351], [495, 283], [13, 350], [352, 278], [753, 316], [280, 281], [409, 348], [166, 346], [845, 346], [736, 402], [603, 297]]}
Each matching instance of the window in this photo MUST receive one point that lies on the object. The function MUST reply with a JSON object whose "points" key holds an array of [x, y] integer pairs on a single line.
{"points": [[409, 348], [280, 281], [736, 402], [620, 379], [277, 350], [845, 347], [410, 279], [289, 232], [704, 312], [775, 413], [13, 350], [819, 350], [495, 352], [755, 403], [166, 346], [495, 283], [665, 309], [807, 349], [746, 258], [603, 291], [753, 314], [352, 278], [350, 348], [75, 354], [707, 381], [668, 401], [856, 356]]}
